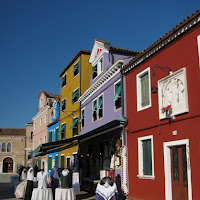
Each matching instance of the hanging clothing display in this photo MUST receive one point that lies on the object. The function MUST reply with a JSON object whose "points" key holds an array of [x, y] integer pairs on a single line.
{"points": [[43, 179], [65, 179]]}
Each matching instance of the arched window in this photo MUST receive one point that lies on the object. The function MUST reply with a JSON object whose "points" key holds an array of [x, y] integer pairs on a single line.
{"points": [[9, 147], [3, 149]]}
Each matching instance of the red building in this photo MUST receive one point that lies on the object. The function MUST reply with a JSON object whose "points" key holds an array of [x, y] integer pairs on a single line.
{"points": [[163, 110]]}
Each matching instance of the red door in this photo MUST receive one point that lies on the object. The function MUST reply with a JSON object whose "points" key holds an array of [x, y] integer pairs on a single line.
{"points": [[8, 165], [179, 173]]}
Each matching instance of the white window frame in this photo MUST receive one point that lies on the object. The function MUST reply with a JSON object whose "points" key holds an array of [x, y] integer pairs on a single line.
{"points": [[41, 121], [78, 68], [83, 109], [35, 126], [41, 102], [65, 75], [100, 66], [78, 95], [40, 141], [45, 139], [139, 95], [140, 157], [45, 118], [116, 109], [97, 99], [65, 104]]}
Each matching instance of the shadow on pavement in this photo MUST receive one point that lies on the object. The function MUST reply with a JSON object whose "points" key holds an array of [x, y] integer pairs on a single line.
{"points": [[6, 192], [88, 196]]}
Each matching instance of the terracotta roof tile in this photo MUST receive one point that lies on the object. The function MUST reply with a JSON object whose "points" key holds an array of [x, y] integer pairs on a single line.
{"points": [[12, 132]]}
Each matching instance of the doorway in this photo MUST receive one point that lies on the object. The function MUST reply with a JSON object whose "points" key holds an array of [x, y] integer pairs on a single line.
{"points": [[8, 165], [177, 170]]}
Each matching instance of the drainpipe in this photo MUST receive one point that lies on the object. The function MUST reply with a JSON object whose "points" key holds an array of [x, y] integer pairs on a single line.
{"points": [[123, 112]]}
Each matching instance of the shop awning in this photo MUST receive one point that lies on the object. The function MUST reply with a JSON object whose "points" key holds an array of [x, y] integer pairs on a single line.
{"points": [[68, 143]]}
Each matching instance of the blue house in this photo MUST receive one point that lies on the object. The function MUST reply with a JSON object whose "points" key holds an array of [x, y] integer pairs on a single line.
{"points": [[53, 135]]}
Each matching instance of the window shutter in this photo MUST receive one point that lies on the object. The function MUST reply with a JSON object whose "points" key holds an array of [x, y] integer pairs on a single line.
{"points": [[147, 157], [145, 89]]}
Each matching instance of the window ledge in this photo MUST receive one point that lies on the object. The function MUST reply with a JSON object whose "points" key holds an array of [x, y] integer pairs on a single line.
{"points": [[146, 177], [118, 109]]}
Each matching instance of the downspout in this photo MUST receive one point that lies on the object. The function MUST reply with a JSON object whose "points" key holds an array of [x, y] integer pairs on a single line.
{"points": [[123, 112]]}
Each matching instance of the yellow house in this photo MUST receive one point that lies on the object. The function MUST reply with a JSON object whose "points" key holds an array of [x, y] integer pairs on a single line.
{"points": [[75, 80]]}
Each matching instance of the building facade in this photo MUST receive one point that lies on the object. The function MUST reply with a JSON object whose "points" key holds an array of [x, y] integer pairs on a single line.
{"points": [[162, 85], [103, 119], [40, 129], [75, 79], [29, 141], [12, 149], [53, 134]]}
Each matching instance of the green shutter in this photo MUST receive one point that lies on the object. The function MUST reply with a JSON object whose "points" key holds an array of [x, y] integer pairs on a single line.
{"points": [[117, 93], [50, 136], [56, 134], [145, 89], [74, 122], [49, 163], [75, 67], [147, 157]]}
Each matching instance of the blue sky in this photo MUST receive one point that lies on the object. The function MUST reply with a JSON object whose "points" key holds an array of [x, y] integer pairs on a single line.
{"points": [[38, 38]]}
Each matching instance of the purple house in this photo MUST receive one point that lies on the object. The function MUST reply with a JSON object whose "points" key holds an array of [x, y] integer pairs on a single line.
{"points": [[103, 117]]}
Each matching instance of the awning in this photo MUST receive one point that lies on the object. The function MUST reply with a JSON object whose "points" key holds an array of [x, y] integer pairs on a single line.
{"points": [[76, 140]]}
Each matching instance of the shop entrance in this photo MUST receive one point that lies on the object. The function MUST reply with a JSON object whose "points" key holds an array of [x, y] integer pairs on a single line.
{"points": [[8, 165]]}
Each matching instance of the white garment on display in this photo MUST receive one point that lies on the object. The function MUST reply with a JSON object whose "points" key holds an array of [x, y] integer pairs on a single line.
{"points": [[75, 182], [43, 179], [30, 174]]}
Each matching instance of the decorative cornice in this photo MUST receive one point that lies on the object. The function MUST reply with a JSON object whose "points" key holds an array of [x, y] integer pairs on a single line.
{"points": [[170, 37], [107, 76]]}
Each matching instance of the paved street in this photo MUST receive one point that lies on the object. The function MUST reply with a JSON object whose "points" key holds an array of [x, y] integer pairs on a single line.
{"points": [[7, 193]]}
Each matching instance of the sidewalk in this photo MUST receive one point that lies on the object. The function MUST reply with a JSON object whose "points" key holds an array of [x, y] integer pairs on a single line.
{"points": [[7, 193]]}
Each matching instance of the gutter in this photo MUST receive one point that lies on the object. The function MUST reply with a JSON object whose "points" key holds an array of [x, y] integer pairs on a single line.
{"points": [[123, 112]]}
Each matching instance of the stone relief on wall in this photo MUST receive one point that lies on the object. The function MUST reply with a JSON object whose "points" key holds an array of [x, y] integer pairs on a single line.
{"points": [[172, 92]]}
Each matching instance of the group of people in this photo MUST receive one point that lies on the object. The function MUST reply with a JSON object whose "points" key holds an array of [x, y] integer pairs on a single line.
{"points": [[31, 177]]}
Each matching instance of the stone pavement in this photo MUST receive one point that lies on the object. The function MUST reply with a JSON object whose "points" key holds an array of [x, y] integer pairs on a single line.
{"points": [[7, 193]]}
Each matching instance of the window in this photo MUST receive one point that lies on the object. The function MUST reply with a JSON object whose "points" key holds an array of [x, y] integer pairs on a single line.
{"points": [[0, 147], [75, 96], [56, 161], [117, 96], [9, 147], [63, 81], [49, 163], [82, 120], [34, 145], [57, 136], [62, 161], [40, 121], [97, 68], [45, 119], [50, 136], [94, 72], [75, 167], [45, 139], [62, 131], [74, 126], [97, 108], [100, 107], [94, 110], [35, 126], [41, 103], [76, 69], [68, 161], [3, 147], [63, 104], [31, 136], [54, 112], [40, 141], [145, 151], [143, 90]]}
